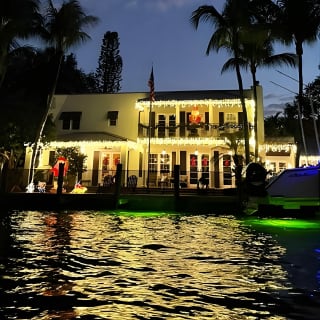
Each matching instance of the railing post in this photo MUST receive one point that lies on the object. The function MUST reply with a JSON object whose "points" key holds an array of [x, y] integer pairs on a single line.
{"points": [[60, 177], [176, 180], [117, 184]]}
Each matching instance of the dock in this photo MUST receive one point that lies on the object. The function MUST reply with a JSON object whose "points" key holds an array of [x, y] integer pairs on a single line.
{"points": [[204, 202]]}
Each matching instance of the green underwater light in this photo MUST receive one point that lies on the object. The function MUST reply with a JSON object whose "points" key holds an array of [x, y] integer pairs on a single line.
{"points": [[284, 223]]}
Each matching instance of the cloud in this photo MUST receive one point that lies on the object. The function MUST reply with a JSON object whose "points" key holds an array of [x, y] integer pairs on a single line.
{"points": [[160, 5], [164, 5], [279, 97], [286, 99], [274, 103], [273, 108], [270, 96], [132, 4]]}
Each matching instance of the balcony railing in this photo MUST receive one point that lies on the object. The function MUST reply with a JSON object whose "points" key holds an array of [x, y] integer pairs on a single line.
{"points": [[188, 130]]}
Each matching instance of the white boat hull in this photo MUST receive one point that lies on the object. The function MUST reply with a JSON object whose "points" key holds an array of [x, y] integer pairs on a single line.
{"points": [[295, 189]]}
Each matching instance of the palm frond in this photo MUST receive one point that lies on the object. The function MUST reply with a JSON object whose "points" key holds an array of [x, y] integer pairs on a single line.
{"points": [[206, 14]]}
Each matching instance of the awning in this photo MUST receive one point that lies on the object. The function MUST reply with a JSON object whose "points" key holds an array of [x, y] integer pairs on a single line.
{"points": [[280, 153], [70, 115]]}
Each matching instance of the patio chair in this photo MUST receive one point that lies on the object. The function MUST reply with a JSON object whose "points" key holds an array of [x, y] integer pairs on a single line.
{"points": [[132, 182], [107, 183], [183, 181]]}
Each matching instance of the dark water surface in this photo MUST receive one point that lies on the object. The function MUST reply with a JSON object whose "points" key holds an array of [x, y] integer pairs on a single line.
{"points": [[104, 265]]}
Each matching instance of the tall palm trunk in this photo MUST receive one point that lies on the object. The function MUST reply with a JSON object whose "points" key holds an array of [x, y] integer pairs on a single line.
{"points": [[255, 98], [39, 132], [299, 51], [245, 115], [3, 68], [236, 158]]}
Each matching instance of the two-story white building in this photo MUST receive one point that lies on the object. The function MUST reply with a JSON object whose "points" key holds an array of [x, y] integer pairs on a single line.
{"points": [[149, 138]]}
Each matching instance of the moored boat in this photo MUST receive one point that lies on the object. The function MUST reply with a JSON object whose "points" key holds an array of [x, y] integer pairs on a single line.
{"points": [[293, 192]]}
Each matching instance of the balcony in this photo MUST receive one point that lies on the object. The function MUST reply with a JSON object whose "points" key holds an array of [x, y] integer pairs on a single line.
{"points": [[202, 130]]}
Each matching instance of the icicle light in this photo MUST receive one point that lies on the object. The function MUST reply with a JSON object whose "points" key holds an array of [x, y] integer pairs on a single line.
{"points": [[223, 103], [183, 142], [99, 144]]}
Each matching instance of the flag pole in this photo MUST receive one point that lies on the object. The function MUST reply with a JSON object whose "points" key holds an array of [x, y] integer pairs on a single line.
{"points": [[149, 146], [151, 85]]}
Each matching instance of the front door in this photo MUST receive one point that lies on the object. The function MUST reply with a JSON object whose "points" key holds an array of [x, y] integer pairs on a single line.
{"points": [[108, 163]]}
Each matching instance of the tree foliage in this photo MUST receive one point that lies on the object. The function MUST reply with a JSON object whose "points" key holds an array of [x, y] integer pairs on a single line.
{"points": [[73, 80], [247, 30], [285, 124], [63, 28], [256, 51], [312, 95], [298, 22], [228, 27], [276, 126], [19, 19], [29, 73], [310, 115], [76, 160], [22, 98], [108, 73]]}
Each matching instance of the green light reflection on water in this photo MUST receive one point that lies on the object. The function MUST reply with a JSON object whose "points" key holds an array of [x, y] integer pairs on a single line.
{"points": [[285, 223]]}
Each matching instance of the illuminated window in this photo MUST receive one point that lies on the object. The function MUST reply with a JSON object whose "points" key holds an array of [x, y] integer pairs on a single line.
{"points": [[205, 163], [161, 125], [193, 168], [172, 125], [282, 166], [153, 162], [227, 171], [164, 162]]}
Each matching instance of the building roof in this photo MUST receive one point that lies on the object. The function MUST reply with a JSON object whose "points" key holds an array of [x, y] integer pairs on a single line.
{"points": [[90, 136]]}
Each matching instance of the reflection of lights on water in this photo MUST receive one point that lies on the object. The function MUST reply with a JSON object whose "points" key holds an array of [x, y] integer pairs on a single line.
{"points": [[117, 264], [278, 223], [142, 214], [285, 223]]}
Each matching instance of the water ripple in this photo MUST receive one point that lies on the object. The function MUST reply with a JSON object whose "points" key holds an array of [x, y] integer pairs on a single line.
{"points": [[96, 265]]}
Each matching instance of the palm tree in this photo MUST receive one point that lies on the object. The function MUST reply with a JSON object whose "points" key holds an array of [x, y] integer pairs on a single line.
{"points": [[257, 51], [62, 30], [275, 125], [228, 27], [19, 19], [298, 22], [233, 141]]}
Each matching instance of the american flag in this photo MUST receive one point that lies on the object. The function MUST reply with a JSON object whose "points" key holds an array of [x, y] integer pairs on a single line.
{"points": [[151, 85]]}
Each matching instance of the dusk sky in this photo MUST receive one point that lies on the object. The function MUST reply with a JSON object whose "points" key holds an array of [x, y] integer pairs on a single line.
{"points": [[159, 33]]}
